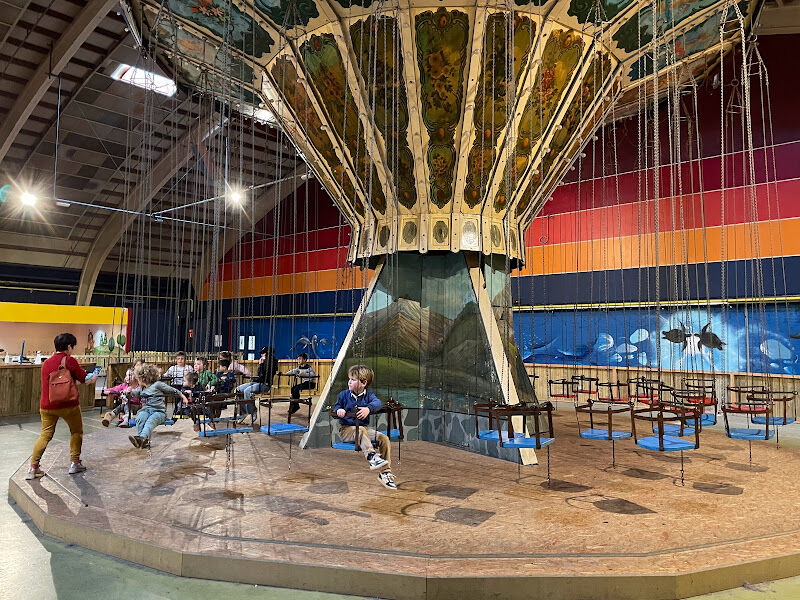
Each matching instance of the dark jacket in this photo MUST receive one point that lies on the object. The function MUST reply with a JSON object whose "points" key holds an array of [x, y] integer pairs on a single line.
{"points": [[349, 402], [227, 381], [193, 393], [266, 371]]}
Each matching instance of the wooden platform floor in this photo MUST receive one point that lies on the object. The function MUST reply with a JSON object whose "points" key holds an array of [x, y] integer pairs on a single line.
{"points": [[455, 515]]}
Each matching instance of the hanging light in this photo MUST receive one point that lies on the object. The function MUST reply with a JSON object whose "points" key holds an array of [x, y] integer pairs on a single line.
{"points": [[236, 196], [27, 199]]}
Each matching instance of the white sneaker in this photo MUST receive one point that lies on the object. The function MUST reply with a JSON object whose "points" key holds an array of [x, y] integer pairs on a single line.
{"points": [[387, 480], [34, 473], [376, 462], [76, 467]]}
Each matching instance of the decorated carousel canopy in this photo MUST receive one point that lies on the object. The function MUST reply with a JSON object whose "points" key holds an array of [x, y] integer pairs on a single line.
{"points": [[440, 127]]}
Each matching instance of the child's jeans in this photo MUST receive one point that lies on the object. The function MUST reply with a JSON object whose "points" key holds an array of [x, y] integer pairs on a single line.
{"points": [[348, 434], [148, 419], [248, 389]]}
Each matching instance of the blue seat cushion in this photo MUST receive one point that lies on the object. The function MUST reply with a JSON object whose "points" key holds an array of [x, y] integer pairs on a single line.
{"points": [[491, 435], [394, 434], [228, 431], [169, 422], [708, 419], [602, 434], [772, 420], [675, 430], [283, 428], [743, 433], [671, 444], [344, 446], [527, 442]]}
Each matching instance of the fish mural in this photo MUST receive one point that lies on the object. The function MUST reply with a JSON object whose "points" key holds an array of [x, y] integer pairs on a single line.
{"points": [[696, 339]]}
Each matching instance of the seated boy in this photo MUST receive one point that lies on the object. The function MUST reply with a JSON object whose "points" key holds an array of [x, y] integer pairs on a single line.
{"points": [[305, 374], [176, 372], [193, 390], [357, 402], [190, 388], [153, 393], [206, 378], [226, 377]]}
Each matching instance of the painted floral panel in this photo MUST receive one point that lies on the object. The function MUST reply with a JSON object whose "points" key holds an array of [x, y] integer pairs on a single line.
{"points": [[376, 44], [294, 93], [582, 104], [442, 39], [326, 68], [493, 100], [561, 55]]}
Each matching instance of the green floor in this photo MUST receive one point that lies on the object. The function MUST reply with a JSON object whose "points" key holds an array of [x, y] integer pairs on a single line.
{"points": [[38, 567]]}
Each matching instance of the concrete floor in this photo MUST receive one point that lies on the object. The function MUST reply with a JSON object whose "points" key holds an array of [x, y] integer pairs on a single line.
{"points": [[40, 567], [36, 566]]}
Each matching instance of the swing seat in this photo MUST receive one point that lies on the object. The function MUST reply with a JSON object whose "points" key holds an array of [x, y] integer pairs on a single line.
{"points": [[602, 434], [585, 391], [671, 444], [745, 408], [743, 433], [708, 419], [772, 420], [646, 400], [344, 446], [563, 396], [283, 429], [526, 442], [491, 435], [613, 400], [228, 431], [705, 401], [675, 430], [393, 435]]}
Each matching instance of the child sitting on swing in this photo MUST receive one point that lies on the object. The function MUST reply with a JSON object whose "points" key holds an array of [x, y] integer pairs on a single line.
{"points": [[153, 394], [194, 391], [356, 404], [122, 391]]}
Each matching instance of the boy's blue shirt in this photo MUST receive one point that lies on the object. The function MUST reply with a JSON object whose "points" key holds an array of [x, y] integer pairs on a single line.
{"points": [[348, 402]]}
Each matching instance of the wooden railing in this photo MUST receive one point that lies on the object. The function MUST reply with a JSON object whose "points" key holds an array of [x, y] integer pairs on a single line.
{"points": [[21, 389]]}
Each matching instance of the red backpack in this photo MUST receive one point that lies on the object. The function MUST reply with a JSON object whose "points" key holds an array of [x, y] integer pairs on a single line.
{"points": [[63, 389]]}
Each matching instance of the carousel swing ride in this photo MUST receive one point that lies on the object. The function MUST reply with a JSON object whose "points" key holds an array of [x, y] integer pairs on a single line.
{"points": [[440, 131]]}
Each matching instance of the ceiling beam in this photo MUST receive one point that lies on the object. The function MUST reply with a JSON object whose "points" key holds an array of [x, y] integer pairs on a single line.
{"points": [[262, 206], [63, 50], [139, 199]]}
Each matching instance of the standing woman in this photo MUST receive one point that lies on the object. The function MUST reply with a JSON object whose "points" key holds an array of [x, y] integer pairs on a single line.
{"points": [[69, 409]]}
